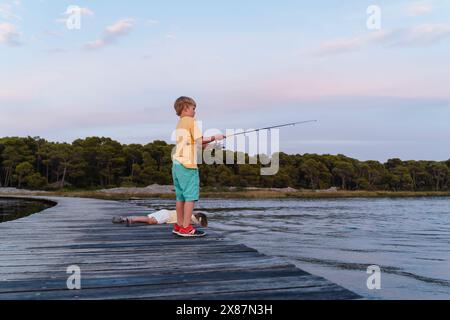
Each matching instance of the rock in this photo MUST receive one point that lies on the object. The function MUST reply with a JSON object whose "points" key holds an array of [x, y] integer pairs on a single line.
{"points": [[331, 190], [16, 191], [153, 189], [289, 189]]}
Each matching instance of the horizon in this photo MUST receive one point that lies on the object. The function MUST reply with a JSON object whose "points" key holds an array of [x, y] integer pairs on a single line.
{"points": [[378, 94]]}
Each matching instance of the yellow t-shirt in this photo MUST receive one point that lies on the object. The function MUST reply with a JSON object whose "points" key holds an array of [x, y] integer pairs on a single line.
{"points": [[173, 218], [186, 134]]}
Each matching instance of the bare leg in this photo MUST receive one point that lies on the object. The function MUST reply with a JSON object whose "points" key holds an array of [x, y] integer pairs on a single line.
{"points": [[188, 210], [180, 213], [146, 220]]}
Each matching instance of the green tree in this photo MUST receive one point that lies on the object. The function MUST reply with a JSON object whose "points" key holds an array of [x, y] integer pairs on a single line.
{"points": [[61, 156], [22, 170], [373, 172], [112, 161], [401, 179], [225, 176], [439, 172], [14, 151], [345, 171], [45, 158], [36, 181], [418, 173], [250, 173], [314, 170], [133, 159]]}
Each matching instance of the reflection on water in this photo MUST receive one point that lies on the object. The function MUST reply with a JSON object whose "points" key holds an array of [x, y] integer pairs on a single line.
{"points": [[13, 209], [338, 239]]}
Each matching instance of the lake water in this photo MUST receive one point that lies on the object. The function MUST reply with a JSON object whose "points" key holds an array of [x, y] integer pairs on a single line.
{"points": [[409, 239], [13, 209]]}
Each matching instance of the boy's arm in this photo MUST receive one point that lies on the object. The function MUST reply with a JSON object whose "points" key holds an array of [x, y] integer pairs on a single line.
{"points": [[200, 140], [218, 137], [206, 141], [203, 142]]}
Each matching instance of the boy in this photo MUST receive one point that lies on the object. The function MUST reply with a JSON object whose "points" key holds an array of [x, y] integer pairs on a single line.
{"points": [[162, 217], [185, 170]]}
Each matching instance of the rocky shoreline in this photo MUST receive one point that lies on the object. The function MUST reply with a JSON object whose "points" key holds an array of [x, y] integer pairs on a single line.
{"points": [[152, 189], [167, 192], [15, 191]]}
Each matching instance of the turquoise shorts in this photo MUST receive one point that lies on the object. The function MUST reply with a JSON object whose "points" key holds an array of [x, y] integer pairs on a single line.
{"points": [[186, 182]]}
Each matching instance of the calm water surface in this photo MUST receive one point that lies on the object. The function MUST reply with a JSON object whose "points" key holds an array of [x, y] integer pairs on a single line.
{"points": [[13, 209], [409, 239]]}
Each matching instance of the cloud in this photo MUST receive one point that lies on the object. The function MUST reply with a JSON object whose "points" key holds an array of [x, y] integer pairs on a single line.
{"points": [[152, 22], [68, 118], [421, 35], [9, 35], [341, 45], [81, 10], [6, 12], [425, 34], [86, 12], [112, 33], [419, 8]]}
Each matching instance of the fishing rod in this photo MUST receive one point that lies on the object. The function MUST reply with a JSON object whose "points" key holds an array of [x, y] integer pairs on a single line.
{"points": [[269, 128]]}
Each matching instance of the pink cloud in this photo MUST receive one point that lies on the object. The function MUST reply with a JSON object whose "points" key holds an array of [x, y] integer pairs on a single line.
{"points": [[421, 35], [9, 35], [112, 33]]}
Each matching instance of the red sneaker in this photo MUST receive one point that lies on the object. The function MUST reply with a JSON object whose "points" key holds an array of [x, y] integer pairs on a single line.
{"points": [[190, 232], [176, 229]]}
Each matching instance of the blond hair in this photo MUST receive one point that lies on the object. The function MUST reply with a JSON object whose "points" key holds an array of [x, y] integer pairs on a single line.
{"points": [[182, 103]]}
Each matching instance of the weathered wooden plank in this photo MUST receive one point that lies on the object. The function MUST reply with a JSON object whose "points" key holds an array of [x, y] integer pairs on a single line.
{"points": [[302, 293], [315, 284], [147, 279], [34, 255], [116, 244], [149, 265], [112, 272], [173, 257]]}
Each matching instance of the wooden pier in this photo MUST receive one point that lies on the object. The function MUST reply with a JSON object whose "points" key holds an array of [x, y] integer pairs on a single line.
{"points": [[141, 262]]}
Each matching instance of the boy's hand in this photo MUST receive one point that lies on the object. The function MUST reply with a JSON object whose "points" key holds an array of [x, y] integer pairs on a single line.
{"points": [[219, 137]]}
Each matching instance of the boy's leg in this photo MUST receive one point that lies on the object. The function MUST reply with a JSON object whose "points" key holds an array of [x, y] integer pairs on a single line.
{"points": [[188, 211], [191, 194], [176, 172], [180, 212]]}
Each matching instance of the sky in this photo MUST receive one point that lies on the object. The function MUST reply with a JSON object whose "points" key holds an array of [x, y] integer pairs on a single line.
{"points": [[378, 90]]}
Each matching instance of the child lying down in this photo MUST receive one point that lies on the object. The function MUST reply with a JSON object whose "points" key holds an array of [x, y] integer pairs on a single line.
{"points": [[162, 217]]}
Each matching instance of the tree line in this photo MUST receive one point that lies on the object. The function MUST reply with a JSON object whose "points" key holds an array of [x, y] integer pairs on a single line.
{"points": [[98, 162]]}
